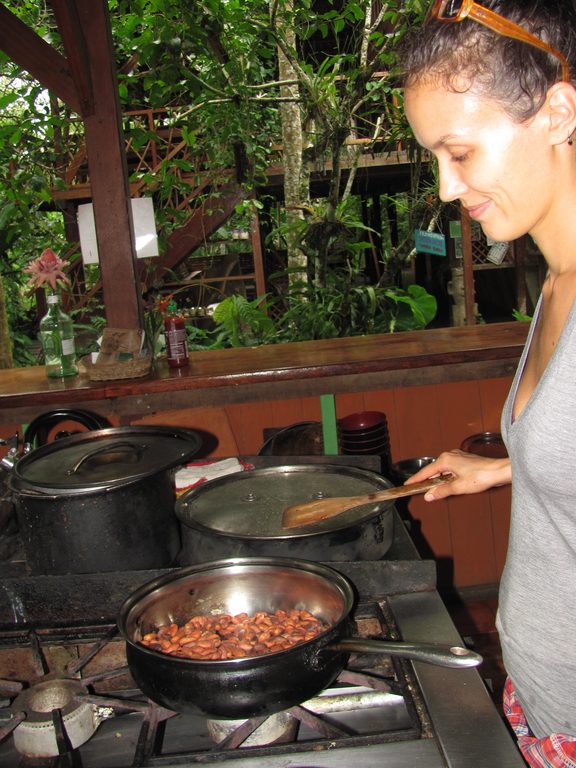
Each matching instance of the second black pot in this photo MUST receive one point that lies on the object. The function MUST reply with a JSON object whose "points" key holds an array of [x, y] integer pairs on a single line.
{"points": [[240, 515]]}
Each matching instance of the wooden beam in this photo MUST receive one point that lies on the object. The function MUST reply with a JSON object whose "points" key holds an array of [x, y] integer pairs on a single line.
{"points": [[70, 29], [257, 254], [109, 173], [38, 58], [203, 222], [278, 371], [468, 266], [519, 251]]}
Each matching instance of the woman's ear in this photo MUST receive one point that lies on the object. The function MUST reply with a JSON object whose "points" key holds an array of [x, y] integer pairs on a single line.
{"points": [[561, 103]]}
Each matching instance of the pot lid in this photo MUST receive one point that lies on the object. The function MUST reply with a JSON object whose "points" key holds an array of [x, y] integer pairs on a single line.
{"points": [[103, 459], [249, 505]]}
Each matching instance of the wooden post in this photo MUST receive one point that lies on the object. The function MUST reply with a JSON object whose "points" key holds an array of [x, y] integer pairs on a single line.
{"points": [[468, 267], [519, 253], [109, 174], [257, 260], [85, 80]]}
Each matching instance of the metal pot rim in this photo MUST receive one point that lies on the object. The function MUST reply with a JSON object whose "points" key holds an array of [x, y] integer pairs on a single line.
{"points": [[357, 516]]}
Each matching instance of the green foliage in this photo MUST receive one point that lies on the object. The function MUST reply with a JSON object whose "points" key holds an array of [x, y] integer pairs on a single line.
{"points": [[521, 317], [410, 309], [212, 66], [310, 313], [205, 63], [242, 323], [343, 309]]}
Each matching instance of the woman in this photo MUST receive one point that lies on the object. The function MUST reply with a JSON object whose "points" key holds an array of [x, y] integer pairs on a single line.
{"points": [[489, 93]]}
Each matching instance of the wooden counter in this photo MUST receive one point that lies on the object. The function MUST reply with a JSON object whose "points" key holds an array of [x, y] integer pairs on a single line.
{"points": [[277, 372]]}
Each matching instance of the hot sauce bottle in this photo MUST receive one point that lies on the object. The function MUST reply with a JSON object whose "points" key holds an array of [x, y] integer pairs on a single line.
{"points": [[176, 339]]}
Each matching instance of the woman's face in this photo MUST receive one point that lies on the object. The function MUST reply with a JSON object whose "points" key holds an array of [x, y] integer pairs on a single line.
{"points": [[500, 170]]}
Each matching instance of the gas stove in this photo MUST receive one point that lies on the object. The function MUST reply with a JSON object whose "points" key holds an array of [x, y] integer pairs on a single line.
{"points": [[63, 676], [104, 722]]}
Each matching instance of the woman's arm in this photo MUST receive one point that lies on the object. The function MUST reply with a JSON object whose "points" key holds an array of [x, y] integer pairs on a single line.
{"points": [[472, 474]]}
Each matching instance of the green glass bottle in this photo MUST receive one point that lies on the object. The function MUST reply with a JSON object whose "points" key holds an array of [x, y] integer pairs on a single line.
{"points": [[57, 339]]}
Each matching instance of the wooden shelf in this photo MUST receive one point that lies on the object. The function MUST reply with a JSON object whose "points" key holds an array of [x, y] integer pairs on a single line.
{"points": [[279, 371]]}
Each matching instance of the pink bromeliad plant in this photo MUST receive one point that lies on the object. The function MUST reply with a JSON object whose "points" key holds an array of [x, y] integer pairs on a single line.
{"points": [[47, 271]]}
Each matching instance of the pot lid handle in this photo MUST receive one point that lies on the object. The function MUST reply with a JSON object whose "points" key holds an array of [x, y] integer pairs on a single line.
{"points": [[105, 449]]}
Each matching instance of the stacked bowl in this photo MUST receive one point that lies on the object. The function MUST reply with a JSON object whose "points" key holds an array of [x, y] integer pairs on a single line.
{"points": [[365, 433]]}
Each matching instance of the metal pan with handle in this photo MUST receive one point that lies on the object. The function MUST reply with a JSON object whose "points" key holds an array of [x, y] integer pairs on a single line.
{"points": [[259, 685]]}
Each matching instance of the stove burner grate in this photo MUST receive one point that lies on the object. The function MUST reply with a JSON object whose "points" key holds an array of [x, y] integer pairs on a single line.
{"points": [[374, 701]]}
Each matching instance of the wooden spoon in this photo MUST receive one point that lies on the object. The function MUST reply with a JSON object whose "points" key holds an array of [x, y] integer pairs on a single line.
{"points": [[310, 512]]}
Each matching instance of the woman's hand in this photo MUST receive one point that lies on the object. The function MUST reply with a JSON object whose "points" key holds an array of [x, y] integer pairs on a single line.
{"points": [[472, 474]]}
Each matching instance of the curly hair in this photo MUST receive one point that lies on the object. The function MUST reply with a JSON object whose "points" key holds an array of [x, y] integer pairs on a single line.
{"points": [[467, 55]]}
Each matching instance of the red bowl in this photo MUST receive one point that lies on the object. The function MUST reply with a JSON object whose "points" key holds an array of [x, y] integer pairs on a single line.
{"points": [[363, 420], [377, 442], [379, 451], [378, 433]]}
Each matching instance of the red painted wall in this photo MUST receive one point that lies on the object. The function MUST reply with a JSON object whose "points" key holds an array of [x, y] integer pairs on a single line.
{"points": [[467, 535]]}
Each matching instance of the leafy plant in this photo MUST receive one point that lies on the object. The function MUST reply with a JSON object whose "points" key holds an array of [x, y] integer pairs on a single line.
{"points": [[520, 316], [242, 323], [410, 309], [311, 313]]}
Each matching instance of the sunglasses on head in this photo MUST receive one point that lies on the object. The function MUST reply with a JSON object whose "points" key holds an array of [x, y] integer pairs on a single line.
{"points": [[457, 10]]}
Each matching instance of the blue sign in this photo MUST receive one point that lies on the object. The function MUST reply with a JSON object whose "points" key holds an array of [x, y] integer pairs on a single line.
{"points": [[430, 242]]}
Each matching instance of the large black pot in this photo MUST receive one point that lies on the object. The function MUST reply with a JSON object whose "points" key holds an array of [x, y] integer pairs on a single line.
{"points": [[101, 500], [259, 685], [240, 515]]}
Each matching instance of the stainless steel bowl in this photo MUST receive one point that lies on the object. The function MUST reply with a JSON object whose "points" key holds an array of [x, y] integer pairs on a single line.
{"points": [[407, 467]]}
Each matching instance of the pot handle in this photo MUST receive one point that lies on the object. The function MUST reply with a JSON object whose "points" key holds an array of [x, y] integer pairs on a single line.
{"points": [[7, 463], [105, 449], [441, 655]]}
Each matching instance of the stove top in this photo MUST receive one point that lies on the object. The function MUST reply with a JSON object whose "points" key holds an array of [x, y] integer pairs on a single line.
{"points": [[375, 701], [379, 712]]}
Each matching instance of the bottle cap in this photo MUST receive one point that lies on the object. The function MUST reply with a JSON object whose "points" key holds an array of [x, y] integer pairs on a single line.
{"points": [[52, 298]]}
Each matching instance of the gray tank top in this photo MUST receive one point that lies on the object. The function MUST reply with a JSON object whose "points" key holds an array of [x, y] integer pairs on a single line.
{"points": [[537, 603]]}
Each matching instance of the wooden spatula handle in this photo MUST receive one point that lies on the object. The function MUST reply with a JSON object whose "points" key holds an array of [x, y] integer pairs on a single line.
{"points": [[411, 489], [323, 509]]}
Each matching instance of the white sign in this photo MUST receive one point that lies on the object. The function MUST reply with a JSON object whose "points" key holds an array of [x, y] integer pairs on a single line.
{"points": [[497, 252], [145, 235]]}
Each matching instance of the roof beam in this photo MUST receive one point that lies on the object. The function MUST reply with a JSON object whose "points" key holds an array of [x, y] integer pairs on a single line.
{"points": [[70, 28], [37, 57]]}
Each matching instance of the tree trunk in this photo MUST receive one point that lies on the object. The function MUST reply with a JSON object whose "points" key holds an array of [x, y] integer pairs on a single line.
{"points": [[296, 186]]}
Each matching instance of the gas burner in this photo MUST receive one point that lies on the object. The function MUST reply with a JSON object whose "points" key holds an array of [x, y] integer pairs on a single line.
{"points": [[56, 713], [274, 729], [318, 714], [53, 719]]}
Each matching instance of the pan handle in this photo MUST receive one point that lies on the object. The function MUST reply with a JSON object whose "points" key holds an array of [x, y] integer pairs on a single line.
{"points": [[441, 655]]}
